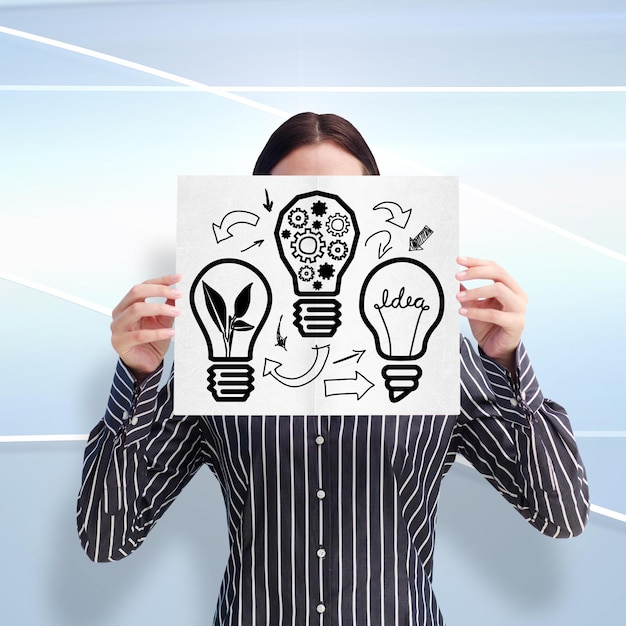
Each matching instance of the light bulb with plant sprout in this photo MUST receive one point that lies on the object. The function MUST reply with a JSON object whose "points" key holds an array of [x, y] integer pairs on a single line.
{"points": [[401, 303], [317, 234], [230, 300]]}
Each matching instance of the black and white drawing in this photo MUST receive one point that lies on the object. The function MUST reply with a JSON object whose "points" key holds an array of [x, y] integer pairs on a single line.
{"points": [[317, 234], [304, 297], [401, 303], [231, 301]]}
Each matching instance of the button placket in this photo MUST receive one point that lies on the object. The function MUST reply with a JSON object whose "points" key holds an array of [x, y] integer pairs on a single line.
{"points": [[321, 495]]}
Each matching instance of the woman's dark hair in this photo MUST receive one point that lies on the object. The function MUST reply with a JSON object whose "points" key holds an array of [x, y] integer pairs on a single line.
{"points": [[311, 128]]}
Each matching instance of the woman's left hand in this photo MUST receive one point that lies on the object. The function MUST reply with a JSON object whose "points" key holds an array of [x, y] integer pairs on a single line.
{"points": [[495, 311]]}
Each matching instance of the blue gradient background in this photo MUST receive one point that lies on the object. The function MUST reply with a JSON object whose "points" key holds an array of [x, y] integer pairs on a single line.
{"points": [[88, 206]]}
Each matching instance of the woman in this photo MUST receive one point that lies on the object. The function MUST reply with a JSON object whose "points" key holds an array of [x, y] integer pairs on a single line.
{"points": [[329, 517]]}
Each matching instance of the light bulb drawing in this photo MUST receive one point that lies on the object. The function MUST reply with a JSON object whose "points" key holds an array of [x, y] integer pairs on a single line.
{"points": [[230, 300], [401, 303], [316, 234]]}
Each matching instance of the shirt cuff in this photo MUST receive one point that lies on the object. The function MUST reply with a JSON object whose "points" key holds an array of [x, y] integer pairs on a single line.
{"points": [[519, 396], [131, 405]]}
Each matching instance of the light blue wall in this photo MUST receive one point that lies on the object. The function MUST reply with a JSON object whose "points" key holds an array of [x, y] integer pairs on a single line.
{"points": [[88, 207]]}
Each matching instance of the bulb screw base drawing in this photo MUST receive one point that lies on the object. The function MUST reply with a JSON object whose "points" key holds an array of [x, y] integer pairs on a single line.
{"points": [[401, 380], [230, 382], [317, 317]]}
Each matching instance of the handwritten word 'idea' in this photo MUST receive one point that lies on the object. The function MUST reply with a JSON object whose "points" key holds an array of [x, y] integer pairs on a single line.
{"points": [[401, 301]]}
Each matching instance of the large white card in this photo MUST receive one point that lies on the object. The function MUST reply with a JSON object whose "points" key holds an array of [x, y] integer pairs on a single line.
{"points": [[317, 295]]}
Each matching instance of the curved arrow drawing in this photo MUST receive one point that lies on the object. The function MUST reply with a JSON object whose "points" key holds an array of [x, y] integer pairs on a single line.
{"points": [[399, 217], [358, 385], [382, 248], [231, 219], [321, 356]]}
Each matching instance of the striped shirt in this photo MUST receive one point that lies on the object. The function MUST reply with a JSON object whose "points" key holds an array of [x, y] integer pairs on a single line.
{"points": [[331, 519]]}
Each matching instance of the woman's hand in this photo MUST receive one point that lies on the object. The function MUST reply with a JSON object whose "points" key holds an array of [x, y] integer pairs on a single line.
{"points": [[141, 331], [495, 311]]}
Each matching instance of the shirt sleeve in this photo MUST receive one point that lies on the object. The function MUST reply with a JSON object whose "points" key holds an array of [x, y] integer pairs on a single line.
{"points": [[522, 443], [137, 459]]}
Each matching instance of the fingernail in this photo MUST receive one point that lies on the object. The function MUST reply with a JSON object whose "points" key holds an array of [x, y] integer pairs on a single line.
{"points": [[176, 293], [463, 311], [461, 275]]}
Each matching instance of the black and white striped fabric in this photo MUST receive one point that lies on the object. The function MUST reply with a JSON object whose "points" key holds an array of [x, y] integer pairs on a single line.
{"points": [[331, 519]]}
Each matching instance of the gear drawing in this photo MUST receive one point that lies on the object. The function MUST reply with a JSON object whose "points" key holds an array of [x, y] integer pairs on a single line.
{"points": [[337, 250], [306, 273], [319, 208], [297, 218], [308, 246], [326, 270], [337, 225]]}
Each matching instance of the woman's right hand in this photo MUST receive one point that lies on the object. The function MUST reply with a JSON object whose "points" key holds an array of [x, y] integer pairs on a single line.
{"points": [[141, 331]]}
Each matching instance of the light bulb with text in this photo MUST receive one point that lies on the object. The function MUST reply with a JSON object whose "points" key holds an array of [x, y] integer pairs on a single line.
{"points": [[230, 300], [401, 303]]}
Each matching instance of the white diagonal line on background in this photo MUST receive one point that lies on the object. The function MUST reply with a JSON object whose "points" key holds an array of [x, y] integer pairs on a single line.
{"points": [[141, 68], [57, 293]]}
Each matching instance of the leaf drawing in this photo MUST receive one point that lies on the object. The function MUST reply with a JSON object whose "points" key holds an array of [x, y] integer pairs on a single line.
{"points": [[243, 301], [216, 305], [242, 325]]}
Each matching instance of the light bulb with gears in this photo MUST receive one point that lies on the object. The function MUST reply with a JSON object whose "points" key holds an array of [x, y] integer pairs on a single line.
{"points": [[317, 235]]}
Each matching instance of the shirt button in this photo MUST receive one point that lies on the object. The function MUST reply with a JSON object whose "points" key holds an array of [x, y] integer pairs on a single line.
{"points": [[513, 402], [134, 420], [321, 553], [319, 440], [320, 608], [321, 494]]}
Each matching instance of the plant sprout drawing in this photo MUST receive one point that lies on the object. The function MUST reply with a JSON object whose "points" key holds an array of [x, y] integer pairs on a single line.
{"points": [[228, 324]]}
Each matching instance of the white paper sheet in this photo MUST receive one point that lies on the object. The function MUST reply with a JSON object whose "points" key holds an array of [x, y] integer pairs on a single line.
{"points": [[317, 295]]}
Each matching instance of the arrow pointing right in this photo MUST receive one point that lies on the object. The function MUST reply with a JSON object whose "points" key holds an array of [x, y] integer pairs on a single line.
{"points": [[358, 385]]}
